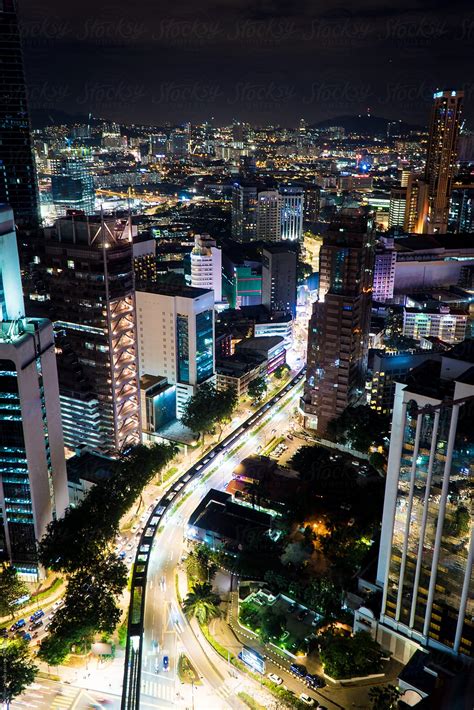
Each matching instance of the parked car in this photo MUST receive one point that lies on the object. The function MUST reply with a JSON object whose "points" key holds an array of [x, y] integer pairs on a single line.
{"points": [[166, 663], [306, 699], [275, 678], [299, 670]]}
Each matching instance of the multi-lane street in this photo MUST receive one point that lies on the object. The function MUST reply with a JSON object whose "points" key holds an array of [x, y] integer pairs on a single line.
{"points": [[166, 630]]}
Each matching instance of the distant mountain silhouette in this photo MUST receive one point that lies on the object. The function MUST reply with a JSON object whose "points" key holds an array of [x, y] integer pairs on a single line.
{"points": [[366, 125]]}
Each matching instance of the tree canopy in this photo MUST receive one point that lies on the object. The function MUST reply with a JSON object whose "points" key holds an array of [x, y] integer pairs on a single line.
{"points": [[361, 427], [12, 588], [201, 603], [257, 388], [349, 656], [207, 407], [79, 545], [17, 670]]}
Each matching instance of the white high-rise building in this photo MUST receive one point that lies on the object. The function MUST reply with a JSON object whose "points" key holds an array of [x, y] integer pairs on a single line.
{"points": [[426, 554], [291, 213], [176, 337], [206, 265], [384, 270], [33, 482], [397, 208]]}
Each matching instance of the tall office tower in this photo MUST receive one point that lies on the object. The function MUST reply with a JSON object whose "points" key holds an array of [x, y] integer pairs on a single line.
{"points": [[291, 212], [20, 188], [442, 156], [158, 143], [176, 337], [72, 185], [244, 211], [268, 215], [279, 262], [33, 483], [312, 203], [338, 330], [427, 542], [206, 265], [384, 270], [89, 273], [416, 209], [178, 143], [461, 210], [238, 134], [144, 259], [397, 208]]}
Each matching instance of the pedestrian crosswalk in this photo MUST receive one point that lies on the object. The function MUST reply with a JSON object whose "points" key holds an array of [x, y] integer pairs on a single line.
{"points": [[64, 699], [158, 688]]}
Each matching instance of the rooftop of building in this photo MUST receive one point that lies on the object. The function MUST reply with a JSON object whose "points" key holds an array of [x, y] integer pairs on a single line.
{"points": [[428, 242], [261, 344], [238, 364], [218, 513], [175, 290], [17, 331], [91, 467]]}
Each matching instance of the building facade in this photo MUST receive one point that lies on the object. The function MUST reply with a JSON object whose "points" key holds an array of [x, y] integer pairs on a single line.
{"points": [[19, 189], [33, 483], [88, 264], [447, 325], [397, 208], [441, 159], [72, 184], [427, 543], [176, 338], [244, 212], [206, 265], [338, 332], [384, 270], [279, 263], [291, 213]]}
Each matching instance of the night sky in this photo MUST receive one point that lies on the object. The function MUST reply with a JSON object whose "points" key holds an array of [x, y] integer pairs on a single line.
{"points": [[268, 61]]}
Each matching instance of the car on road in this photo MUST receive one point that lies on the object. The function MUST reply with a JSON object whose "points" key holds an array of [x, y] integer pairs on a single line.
{"points": [[166, 663], [17, 625], [321, 707], [57, 604], [37, 615], [306, 699], [275, 678], [299, 670], [314, 681], [122, 555], [35, 625]]}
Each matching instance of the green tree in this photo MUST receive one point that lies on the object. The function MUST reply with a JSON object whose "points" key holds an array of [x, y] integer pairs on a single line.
{"points": [[201, 603], [281, 371], [360, 426], [17, 671], [11, 589], [460, 522], [349, 656], [55, 649], [201, 563], [271, 626], [384, 697], [207, 407], [257, 388]]}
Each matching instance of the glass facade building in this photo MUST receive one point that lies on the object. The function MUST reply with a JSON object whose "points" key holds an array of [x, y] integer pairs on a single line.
{"points": [[19, 188], [427, 546], [204, 345], [72, 185]]}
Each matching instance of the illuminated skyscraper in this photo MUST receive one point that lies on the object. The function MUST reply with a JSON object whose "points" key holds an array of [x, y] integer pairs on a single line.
{"points": [[427, 542], [89, 277], [19, 189], [206, 265], [291, 212], [338, 330], [441, 157], [33, 483], [244, 211], [72, 185]]}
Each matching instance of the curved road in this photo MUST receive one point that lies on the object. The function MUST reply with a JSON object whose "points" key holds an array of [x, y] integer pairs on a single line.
{"points": [[157, 627]]}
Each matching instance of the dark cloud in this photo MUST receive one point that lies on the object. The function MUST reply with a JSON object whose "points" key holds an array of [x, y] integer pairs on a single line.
{"points": [[264, 61]]}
